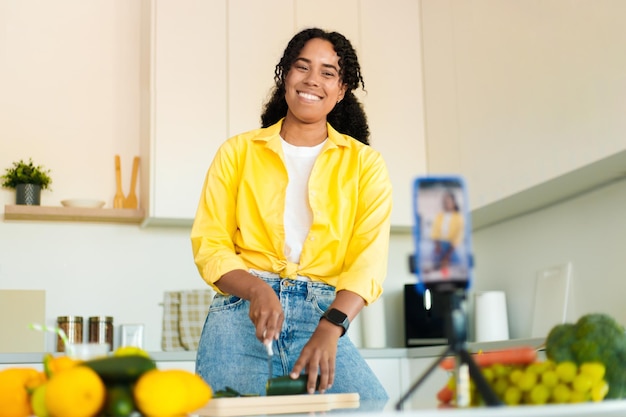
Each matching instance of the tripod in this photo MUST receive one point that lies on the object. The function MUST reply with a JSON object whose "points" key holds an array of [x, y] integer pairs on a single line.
{"points": [[456, 329]]}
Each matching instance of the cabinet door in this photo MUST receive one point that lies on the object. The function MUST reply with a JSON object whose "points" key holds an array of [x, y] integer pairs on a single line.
{"points": [[256, 39], [187, 103], [390, 54]]}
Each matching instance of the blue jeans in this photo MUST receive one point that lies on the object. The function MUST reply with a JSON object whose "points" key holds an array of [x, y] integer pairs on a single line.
{"points": [[230, 355]]}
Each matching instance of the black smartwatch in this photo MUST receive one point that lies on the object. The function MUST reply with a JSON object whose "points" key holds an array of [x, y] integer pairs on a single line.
{"points": [[337, 318]]}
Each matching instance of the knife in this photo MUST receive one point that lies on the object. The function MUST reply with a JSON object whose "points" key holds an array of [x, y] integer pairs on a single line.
{"points": [[270, 356]]}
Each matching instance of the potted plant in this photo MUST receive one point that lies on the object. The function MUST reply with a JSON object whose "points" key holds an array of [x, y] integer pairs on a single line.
{"points": [[28, 180]]}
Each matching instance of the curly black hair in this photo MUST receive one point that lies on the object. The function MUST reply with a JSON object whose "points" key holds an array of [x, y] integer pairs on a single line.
{"points": [[348, 116]]}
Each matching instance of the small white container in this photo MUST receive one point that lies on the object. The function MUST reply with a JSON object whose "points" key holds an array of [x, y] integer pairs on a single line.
{"points": [[86, 351]]}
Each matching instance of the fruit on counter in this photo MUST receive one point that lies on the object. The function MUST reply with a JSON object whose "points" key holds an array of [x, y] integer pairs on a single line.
{"points": [[172, 392], [52, 364], [119, 401], [285, 385], [111, 386], [594, 337], [15, 387], [38, 401], [121, 369], [538, 383], [75, 392], [130, 351], [521, 355]]}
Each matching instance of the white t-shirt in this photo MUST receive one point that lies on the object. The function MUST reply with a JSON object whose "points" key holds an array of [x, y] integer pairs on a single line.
{"points": [[298, 216]]}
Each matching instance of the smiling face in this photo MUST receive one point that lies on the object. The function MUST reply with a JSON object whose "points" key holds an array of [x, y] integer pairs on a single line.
{"points": [[313, 85]]}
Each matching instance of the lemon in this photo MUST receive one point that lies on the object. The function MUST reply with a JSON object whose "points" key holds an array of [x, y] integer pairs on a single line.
{"points": [[130, 351], [171, 392], [75, 392]]}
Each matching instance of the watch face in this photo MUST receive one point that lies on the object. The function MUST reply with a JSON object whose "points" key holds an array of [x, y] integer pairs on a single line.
{"points": [[336, 316]]}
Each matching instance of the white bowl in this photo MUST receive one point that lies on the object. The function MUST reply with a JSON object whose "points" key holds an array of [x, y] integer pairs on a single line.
{"points": [[82, 202]]}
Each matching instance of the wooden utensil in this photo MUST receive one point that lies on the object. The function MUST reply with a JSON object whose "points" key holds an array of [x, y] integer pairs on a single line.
{"points": [[131, 199], [118, 200]]}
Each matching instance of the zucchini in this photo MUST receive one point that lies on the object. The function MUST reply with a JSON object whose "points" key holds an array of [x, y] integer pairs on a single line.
{"points": [[284, 385], [120, 369]]}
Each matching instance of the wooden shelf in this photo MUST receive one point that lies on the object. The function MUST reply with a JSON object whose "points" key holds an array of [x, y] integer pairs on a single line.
{"points": [[73, 214]]}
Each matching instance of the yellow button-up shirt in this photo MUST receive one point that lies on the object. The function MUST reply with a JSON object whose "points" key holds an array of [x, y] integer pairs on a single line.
{"points": [[239, 221]]}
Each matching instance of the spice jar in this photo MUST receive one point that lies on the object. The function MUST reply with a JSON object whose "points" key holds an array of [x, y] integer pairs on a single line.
{"points": [[101, 330], [73, 328]]}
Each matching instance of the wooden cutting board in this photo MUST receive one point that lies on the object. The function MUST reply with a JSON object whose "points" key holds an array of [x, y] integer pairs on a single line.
{"points": [[277, 404]]}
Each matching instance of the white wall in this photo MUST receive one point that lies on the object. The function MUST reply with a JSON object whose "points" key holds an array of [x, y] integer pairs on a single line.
{"points": [[70, 99], [589, 231]]}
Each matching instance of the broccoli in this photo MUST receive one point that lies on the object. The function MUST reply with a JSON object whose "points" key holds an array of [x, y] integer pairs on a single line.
{"points": [[593, 338]]}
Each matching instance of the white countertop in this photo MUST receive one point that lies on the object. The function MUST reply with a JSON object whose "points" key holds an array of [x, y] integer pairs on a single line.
{"points": [[379, 353]]}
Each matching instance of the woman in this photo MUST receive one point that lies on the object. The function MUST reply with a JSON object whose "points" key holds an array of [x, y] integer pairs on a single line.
{"points": [[292, 230], [447, 233]]}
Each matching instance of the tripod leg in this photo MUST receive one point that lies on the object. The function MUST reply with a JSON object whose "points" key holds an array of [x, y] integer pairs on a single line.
{"points": [[479, 379], [422, 378]]}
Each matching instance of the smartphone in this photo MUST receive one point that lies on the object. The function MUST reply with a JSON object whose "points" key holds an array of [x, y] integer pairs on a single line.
{"points": [[443, 257]]}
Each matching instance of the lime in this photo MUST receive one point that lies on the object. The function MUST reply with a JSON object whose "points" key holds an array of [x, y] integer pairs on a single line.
{"points": [[119, 401], [38, 401]]}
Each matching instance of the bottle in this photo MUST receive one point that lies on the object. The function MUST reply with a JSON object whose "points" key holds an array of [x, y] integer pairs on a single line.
{"points": [[73, 328], [101, 330]]}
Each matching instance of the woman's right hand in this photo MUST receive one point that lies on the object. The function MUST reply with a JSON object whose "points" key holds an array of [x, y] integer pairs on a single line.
{"points": [[266, 312]]}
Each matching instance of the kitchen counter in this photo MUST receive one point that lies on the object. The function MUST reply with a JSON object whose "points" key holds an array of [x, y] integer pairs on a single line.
{"points": [[379, 353]]}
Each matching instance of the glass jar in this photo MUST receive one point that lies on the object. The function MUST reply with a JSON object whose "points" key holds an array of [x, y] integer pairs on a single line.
{"points": [[101, 330], [73, 328]]}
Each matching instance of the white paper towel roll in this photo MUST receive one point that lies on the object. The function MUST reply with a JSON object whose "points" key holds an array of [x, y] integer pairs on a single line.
{"points": [[490, 316], [355, 331], [373, 325]]}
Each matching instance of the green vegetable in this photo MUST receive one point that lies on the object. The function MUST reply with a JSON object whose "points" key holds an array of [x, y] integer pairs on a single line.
{"points": [[119, 401], [121, 369], [593, 338], [284, 385]]}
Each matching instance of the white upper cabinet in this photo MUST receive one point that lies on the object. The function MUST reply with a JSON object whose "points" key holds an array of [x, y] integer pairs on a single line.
{"points": [[519, 95], [185, 73], [211, 68], [391, 58]]}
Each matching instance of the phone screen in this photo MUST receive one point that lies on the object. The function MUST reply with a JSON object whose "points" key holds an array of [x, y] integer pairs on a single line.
{"points": [[442, 232]]}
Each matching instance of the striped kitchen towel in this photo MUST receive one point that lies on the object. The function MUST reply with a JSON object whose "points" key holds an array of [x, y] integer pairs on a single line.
{"points": [[184, 313]]}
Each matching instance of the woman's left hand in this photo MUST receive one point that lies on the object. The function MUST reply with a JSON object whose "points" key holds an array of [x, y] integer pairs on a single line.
{"points": [[319, 355]]}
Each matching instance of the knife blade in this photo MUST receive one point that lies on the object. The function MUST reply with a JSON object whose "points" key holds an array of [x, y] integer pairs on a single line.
{"points": [[270, 357]]}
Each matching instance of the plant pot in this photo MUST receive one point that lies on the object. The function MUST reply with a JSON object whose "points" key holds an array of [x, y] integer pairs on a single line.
{"points": [[27, 194]]}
